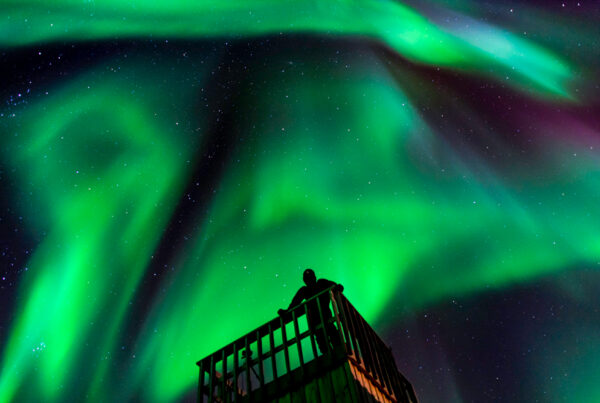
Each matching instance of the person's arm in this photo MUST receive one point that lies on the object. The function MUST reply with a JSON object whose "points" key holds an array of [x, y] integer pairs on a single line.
{"points": [[327, 283], [298, 298]]}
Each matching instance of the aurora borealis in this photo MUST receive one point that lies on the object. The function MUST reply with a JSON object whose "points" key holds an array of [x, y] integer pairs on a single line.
{"points": [[170, 168]]}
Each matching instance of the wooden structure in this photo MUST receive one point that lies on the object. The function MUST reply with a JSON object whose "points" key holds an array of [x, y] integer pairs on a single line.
{"points": [[281, 361]]}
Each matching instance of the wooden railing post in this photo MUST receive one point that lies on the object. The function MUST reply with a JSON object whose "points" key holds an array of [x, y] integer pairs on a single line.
{"points": [[357, 349], [272, 352], [211, 380], [224, 392], [235, 372], [324, 329], [261, 375], [248, 361], [338, 310], [286, 353], [298, 341], [311, 334], [201, 382]]}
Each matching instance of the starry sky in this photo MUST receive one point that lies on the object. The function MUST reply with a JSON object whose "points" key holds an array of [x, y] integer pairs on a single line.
{"points": [[169, 168]]}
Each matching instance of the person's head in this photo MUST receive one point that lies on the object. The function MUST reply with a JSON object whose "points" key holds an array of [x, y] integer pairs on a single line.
{"points": [[309, 277]]}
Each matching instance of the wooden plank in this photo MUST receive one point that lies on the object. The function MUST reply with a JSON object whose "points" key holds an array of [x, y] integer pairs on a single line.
{"points": [[325, 389], [285, 399], [297, 395], [311, 391], [340, 385], [365, 382], [351, 382]]}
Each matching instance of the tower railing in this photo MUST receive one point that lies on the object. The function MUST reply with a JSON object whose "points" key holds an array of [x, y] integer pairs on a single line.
{"points": [[288, 352]]}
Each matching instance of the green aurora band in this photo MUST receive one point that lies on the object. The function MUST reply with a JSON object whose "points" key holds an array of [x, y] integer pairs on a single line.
{"points": [[338, 171], [396, 25]]}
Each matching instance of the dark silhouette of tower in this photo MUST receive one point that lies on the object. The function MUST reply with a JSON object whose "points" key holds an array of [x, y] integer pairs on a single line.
{"points": [[306, 355]]}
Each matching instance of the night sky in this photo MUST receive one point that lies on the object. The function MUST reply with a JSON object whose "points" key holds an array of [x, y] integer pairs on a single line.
{"points": [[169, 168]]}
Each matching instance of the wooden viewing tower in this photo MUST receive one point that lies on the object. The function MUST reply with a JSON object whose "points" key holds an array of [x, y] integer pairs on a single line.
{"points": [[281, 362]]}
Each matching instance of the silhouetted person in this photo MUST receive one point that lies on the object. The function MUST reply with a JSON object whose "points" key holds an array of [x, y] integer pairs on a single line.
{"points": [[312, 288]]}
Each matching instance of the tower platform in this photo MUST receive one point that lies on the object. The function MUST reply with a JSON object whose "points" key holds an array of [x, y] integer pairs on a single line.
{"points": [[281, 360]]}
